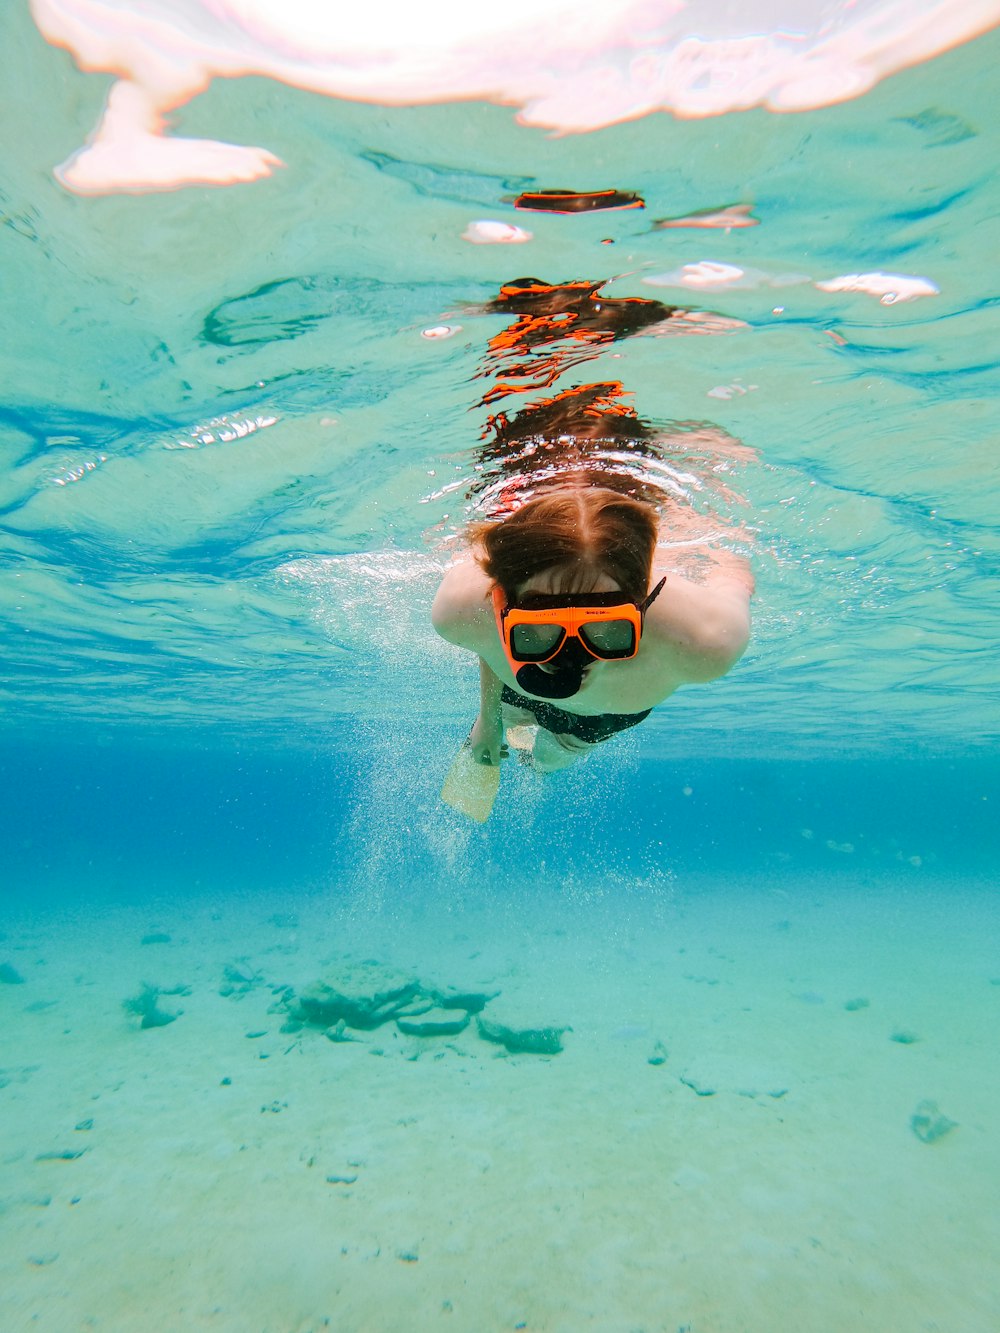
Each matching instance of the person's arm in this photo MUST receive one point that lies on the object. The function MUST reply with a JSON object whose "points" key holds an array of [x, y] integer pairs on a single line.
{"points": [[461, 615], [486, 737]]}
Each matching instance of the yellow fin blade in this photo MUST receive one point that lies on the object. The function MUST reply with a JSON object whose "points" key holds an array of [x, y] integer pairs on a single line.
{"points": [[471, 788]]}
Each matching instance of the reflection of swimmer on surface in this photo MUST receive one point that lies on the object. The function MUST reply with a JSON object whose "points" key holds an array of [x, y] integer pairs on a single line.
{"points": [[580, 625], [558, 326], [590, 429]]}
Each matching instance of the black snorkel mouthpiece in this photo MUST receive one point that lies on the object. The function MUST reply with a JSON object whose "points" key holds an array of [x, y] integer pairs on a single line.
{"points": [[559, 678]]}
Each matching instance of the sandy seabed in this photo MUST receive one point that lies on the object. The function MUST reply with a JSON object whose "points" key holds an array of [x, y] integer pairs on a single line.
{"points": [[765, 1176]]}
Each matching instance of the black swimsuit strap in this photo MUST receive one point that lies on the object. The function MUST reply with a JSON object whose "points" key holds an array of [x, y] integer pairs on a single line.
{"points": [[592, 728]]}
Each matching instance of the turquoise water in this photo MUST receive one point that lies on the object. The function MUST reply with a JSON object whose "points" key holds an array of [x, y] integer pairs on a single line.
{"points": [[233, 465]]}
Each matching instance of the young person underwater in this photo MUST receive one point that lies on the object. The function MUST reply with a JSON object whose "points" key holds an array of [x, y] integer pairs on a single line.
{"points": [[567, 592]]}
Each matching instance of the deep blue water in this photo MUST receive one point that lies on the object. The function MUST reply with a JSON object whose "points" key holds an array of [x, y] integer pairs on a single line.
{"points": [[119, 817]]}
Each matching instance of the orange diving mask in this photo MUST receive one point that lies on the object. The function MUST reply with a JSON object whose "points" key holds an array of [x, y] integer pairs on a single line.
{"points": [[546, 626]]}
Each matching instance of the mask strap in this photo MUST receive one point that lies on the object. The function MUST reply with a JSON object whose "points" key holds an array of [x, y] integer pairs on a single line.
{"points": [[652, 596]]}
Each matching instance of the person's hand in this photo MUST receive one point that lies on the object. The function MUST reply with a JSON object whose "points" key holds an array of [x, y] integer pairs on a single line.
{"points": [[487, 744]]}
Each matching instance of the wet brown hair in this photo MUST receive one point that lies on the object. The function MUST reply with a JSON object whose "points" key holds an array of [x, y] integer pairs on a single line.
{"points": [[580, 530]]}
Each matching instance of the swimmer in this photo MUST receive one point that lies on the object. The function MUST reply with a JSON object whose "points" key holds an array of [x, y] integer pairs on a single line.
{"points": [[579, 628]]}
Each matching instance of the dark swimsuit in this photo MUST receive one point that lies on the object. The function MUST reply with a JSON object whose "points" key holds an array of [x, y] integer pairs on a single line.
{"points": [[592, 729]]}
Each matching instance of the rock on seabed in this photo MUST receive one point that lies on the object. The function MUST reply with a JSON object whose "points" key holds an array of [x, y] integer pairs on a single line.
{"points": [[436, 1022], [522, 1040], [929, 1123], [364, 997]]}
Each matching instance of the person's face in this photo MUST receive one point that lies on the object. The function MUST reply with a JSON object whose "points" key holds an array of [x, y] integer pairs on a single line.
{"points": [[551, 582]]}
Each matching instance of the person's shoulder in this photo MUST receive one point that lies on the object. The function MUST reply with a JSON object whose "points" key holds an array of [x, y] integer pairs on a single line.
{"points": [[705, 627], [462, 607]]}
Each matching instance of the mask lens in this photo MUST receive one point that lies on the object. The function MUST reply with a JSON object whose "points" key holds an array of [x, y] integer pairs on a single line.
{"points": [[609, 638], [534, 643]]}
